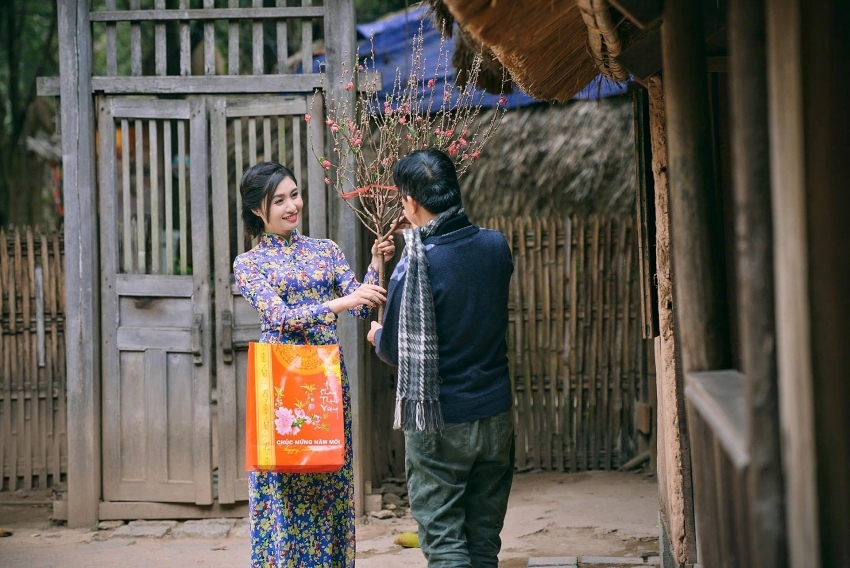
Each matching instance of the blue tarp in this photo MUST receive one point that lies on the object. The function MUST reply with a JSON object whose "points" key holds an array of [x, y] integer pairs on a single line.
{"points": [[391, 41]]}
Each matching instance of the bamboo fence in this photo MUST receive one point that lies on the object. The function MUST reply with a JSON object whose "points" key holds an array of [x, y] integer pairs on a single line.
{"points": [[33, 435], [578, 367]]}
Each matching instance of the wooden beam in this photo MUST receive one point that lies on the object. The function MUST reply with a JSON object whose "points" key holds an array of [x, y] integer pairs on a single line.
{"points": [[754, 256], [699, 289], [207, 14], [793, 321], [217, 84], [643, 13], [132, 510], [82, 294], [826, 126], [645, 199], [643, 57]]}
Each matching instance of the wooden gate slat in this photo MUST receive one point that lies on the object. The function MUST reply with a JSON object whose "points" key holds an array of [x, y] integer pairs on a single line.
{"points": [[267, 139], [167, 157], [282, 43], [154, 188], [240, 165], [127, 204], [141, 260], [209, 42], [307, 41], [257, 48], [252, 142], [159, 43], [111, 44], [181, 197], [185, 44], [135, 43], [233, 63]]}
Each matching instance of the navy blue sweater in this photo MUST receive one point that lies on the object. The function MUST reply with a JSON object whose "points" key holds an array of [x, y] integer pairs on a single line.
{"points": [[470, 271]]}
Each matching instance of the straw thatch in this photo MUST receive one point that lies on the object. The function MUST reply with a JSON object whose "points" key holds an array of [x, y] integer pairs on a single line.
{"points": [[560, 159], [542, 43]]}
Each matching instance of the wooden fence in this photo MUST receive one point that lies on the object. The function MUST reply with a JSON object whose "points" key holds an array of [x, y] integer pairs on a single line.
{"points": [[579, 368], [33, 435]]}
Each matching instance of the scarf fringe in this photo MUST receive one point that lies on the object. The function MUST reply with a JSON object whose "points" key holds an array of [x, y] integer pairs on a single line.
{"points": [[420, 415]]}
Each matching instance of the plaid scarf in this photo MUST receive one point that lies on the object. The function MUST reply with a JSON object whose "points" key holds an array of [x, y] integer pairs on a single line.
{"points": [[417, 403]]}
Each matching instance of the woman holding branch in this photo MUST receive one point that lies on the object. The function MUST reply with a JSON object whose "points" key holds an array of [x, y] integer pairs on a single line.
{"points": [[299, 285]]}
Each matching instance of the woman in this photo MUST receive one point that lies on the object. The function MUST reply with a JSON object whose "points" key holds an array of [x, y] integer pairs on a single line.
{"points": [[299, 285]]}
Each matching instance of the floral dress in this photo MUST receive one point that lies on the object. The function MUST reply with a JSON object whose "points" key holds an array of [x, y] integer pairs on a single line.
{"points": [[301, 520]]}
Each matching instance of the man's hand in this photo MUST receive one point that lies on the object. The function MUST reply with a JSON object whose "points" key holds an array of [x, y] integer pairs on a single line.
{"points": [[370, 337]]}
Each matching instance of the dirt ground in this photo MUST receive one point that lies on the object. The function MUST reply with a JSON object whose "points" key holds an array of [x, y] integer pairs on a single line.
{"points": [[596, 513]]}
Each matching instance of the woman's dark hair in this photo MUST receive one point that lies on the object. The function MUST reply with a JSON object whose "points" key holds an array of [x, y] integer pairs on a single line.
{"points": [[429, 177], [257, 189]]}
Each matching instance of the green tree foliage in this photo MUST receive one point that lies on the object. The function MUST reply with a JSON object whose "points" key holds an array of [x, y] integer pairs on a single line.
{"points": [[28, 49]]}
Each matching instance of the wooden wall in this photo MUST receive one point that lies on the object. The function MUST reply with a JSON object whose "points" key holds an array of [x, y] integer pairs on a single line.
{"points": [[33, 435], [579, 368]]}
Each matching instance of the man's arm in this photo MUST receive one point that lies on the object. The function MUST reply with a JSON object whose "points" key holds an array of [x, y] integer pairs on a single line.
{"points": [[386, 337]]}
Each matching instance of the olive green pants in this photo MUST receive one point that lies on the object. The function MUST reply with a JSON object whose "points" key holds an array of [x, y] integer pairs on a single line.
{"points": [[458, 482]]}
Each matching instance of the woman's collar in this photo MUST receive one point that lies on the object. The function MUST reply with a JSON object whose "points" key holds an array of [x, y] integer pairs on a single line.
{"points": [[273, 239]]}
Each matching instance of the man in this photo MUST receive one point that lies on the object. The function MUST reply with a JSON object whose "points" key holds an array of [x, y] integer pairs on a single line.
{"points": [[444, 327]]}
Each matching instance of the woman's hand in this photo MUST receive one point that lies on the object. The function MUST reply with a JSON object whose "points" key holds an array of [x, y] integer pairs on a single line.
{"points": [[383, 249], [366, 295]]}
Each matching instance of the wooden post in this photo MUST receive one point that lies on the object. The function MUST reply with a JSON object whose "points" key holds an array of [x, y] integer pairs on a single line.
{"points": [[754, 252], [344, 229], [697, 248], [793, 321], [82, 294], [674, 459]]}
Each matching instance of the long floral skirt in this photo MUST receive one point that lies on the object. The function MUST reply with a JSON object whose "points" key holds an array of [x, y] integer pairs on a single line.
{"points": [[304, 520]]}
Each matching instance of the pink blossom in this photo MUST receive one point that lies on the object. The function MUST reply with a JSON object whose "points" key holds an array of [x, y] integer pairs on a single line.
{"points": [[463, 142], [334, 128], [357, 142], [284, 420], [299, 413], [503, 101], [307, 117], [327, 181], [476, 155], [449, 133], [360, 68], [431, 83], [465, 156], [349, 86], [465, 133], [402, 120], [437, 131], [329, 122], [409, 137], [447, 96], [326, 164], [311, 406], [452, 149], [418, 119]]}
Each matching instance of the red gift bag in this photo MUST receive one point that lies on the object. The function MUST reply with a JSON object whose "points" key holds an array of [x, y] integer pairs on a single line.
{"points": [[294, 414]]}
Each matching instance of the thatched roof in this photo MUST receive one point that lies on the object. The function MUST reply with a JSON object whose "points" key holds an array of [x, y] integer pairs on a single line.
{"points": [[544, 44], [572, 158]]}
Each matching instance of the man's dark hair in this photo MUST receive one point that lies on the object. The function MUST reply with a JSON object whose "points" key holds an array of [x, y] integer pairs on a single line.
{"points": [[257, 189], [429, 177]]}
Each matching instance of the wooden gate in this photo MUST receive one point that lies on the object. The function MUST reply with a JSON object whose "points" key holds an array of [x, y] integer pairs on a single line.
{"points": [[149, 359], [155, 300]]}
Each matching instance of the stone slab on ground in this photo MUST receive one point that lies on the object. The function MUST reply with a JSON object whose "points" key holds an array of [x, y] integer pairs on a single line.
{"points": [[109, 525], [616, 560], [553, 562], [206, 528], [144, 529]]}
